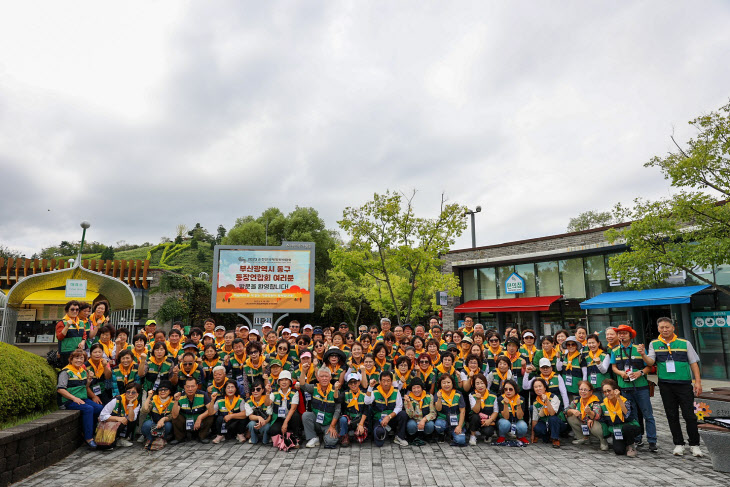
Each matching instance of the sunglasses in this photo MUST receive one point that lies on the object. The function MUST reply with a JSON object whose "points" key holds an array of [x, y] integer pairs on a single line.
{"points": [[282, 348], [508, 389], [424, 362], [73, 309], [494, 341], [259, 388]]}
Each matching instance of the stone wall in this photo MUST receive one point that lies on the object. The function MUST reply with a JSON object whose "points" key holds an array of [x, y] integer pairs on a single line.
{"points": [[33, 446], [530, 250]]}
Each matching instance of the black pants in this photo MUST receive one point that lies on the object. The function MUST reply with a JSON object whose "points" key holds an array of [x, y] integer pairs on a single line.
{"points": [[475, 424], [294, 427], [629, 432], [233, 427], [675, 397]]}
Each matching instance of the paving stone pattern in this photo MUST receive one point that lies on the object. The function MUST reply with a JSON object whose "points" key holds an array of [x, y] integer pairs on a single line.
{"points": [[365, 465]]}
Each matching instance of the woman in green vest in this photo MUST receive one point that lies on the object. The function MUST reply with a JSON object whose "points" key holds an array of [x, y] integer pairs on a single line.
{"points": [[583, 415], [451, 410], [74, 391], [425, 371], [211, 360], [472, 368], [511, 408], [229, 412], [418, 405], [380, 352], [499, 375], [70, 331], [619, 419], [285, 405], [126, 372], [484, 415], [548, 419], [158, 410], [158, 368], [100, 371], [258, 413], [598, 364], [355, 412], [573, 366], [124, 409]]}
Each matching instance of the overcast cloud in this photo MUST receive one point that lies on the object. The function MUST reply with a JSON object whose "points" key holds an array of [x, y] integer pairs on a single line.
{"points": [[138, 116]]}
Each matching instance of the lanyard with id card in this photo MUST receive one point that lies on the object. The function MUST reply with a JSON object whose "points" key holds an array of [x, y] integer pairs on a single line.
{"points": [[96, 389], [513, 428], [594, 378], [568, 379], [224, 428], [670, 364], [453, 420], [320, 417], [189, 423], [617, 433], [586, 431]]}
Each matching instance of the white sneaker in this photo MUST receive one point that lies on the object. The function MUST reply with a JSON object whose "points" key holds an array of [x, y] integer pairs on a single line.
{"points": [[399, 441], [313, 442], [581, 441], [140, 439], [678, 451], [124, 442], [219, 439], [696, 452], [473, 441], [604, 445]]}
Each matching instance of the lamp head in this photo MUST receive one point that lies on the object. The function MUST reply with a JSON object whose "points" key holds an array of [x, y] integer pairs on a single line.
{"points": [[479, 208], [85, 224]]}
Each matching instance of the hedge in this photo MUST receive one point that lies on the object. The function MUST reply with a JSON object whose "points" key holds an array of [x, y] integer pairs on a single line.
{"points": [[27, 383]]}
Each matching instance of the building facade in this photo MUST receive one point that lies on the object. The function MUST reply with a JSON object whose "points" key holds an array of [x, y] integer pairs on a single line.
{"points": [[546, 284]]}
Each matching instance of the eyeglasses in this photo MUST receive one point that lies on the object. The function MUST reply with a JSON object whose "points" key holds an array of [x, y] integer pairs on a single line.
{"points": [[424, 362], [258, 388], [131, 392], [163, 389], [349, 337], [508, 389], [301, 343], [282, 349], [73, 309], [187, 363], [493, 340]]}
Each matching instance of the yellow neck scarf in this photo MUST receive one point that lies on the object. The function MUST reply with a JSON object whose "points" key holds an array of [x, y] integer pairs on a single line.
{"points": [[614, 411]]}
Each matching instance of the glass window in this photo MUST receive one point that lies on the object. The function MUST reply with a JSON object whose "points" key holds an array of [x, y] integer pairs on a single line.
{"points": [[595, 271], [502, 274], [722, 275], [527, 272], [548, 279], [487, 283], [572, 279], [469, 284]]}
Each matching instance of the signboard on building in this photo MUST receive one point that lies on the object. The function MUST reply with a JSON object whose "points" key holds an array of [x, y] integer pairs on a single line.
{"points": [[27, 314], [264, 279], [514, 284], [711, 319], [75, 288], [442, 298], [260, 318]]}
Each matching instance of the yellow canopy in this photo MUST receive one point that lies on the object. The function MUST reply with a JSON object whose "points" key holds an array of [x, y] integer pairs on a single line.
{"points": [[56, 296]]}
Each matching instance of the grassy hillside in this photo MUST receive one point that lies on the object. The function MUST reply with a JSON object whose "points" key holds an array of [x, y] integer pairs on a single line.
{"points": [[178, 258]]}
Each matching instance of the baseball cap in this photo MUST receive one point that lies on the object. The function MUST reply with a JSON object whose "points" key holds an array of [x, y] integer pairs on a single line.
{"points": [[275, 362], [286, 330], [545, 362], [266, 325], [285, 374], [150, 323], [353, 376], [307, 327], [209, 334], [220, 327], [255, 332]]}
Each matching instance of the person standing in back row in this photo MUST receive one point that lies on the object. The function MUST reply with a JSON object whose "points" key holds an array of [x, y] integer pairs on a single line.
{"points": [[677, 362]]}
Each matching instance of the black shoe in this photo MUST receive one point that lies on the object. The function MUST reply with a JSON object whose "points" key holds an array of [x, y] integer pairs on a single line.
{"points": [[205, 441], [174, 442], [639, 443], [652, 447]]}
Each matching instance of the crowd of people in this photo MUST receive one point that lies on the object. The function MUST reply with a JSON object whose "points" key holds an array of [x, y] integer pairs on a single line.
{"points": [[299, 386]]}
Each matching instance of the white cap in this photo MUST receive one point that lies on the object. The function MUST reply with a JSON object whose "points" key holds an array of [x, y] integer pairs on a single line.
{"points": [[255, 332], [285, 374], [242, 327], [350, 376], [267, 324], [308, 327], [209, 334], [528, 334], [295, 335], [545, 362], [286, 330]]}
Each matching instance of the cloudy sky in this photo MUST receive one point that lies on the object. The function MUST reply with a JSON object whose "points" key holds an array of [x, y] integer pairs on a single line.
{"points": [[138, 116]]}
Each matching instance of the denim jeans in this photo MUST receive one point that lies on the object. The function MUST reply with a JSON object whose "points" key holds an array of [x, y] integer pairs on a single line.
{"points": [[149, 424], [556, 427], [504, 426], [412, 427], [640, 400], [442, 426], [255, 433], [89, 413]]}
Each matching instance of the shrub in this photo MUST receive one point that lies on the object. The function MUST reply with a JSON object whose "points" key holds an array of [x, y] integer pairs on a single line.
{"points": [[27, 383]]}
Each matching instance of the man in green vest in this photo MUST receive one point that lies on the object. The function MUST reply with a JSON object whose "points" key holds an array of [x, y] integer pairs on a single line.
{"points": [[631, 364], [326, 408], [190, 413], [677, 362]]}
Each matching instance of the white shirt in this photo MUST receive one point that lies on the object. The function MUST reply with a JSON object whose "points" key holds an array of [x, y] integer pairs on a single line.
{"points": [[109, 409]]}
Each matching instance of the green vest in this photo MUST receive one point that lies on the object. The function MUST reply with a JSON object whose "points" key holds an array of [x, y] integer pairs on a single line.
{"points": [[74, 336], [682, 371], [191, 410], [279, 400], [352, 412], [447, 410], [609, 425], [155, 373], [223, 410], [487, 406], [595, 377], [544, 419], [382, 405], [76, 384], [324, 404], [540, 354], [623, 357], [517, 371], [122, 380], [575, 375]]}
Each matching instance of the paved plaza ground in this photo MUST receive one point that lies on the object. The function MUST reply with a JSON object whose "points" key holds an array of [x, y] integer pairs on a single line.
{"points": [[366, 465]]}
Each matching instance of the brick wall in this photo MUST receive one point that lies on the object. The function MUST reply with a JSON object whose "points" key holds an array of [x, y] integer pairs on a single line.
{"points": [[33, 446]]}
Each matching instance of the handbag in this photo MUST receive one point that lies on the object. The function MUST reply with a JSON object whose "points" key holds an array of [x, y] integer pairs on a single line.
{"points": [[106, 433], [652, 386]]}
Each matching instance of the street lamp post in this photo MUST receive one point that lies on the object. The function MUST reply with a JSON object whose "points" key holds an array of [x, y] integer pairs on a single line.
{"points": [[473, 234], [84, 225]]}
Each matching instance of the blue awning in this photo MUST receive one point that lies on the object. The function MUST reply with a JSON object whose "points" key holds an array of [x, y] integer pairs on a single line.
{"points": [[647, 297]]}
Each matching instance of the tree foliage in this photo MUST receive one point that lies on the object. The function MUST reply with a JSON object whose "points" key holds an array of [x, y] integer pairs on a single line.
{"points": [[396, 254], [691, 230], [107, 253], [590, 219]]}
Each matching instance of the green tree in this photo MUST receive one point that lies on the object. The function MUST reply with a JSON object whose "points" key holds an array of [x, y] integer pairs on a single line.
{"points": [[221, 234], [194, 243], [690, 231], [397, 254], [107, 253], [344, 292], [590, 219], [201, 255], [9, 253]]}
